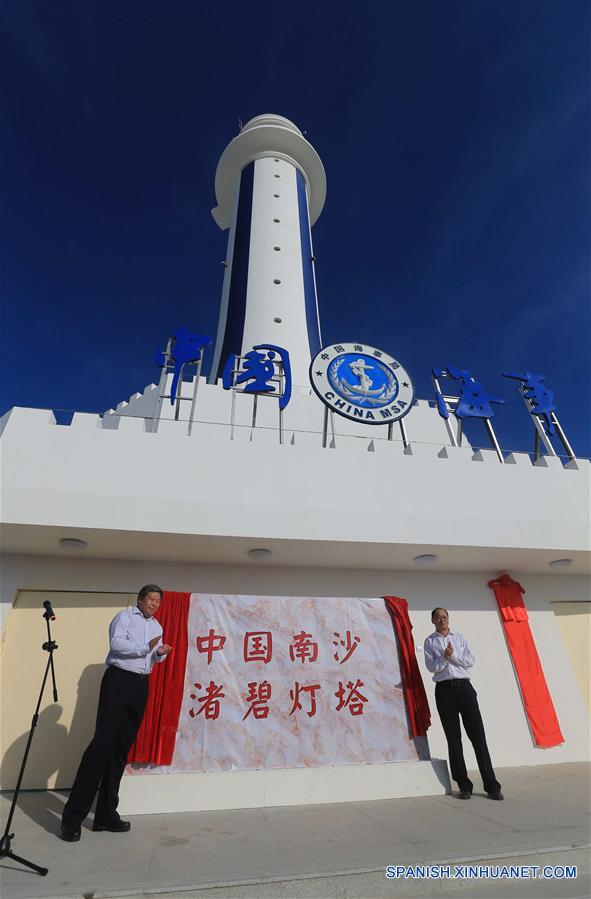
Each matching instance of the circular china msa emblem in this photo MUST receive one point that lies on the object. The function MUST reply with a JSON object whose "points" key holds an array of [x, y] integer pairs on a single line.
{"points": [[361, 383]]}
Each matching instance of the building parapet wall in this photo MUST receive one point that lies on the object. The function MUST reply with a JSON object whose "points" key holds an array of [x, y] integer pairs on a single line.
{"points": [[130, 478]]}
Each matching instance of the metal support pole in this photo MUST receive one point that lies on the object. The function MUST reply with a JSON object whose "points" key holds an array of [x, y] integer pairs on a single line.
{"points": [[442, 404], [162, 384], [539, 427], [177, 407], [281, 386], [195, 389], [493, 440], [403, 433], [325, 428], [254, 413], [333, 442], [562, 435], [450, 432], [232, 414]]}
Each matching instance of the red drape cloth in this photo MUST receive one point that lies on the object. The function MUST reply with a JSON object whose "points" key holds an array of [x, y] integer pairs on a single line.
{"points": [[417, 706], [537, 701], [156, 737]]}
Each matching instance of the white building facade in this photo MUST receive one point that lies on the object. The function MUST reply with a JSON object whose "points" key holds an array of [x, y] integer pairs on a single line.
{"points": [[343, 510]]}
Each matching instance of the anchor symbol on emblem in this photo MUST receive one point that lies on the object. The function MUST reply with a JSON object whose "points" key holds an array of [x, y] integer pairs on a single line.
{"points": [[359, 368]]}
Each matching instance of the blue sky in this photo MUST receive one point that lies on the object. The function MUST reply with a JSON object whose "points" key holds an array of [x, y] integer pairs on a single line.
{"points": [[456, 139]]}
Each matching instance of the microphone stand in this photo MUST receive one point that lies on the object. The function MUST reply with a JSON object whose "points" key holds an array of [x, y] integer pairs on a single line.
{"points": [[5, 842]]}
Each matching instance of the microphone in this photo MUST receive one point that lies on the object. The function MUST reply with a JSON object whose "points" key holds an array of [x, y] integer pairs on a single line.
{"points": [[49, 613]]}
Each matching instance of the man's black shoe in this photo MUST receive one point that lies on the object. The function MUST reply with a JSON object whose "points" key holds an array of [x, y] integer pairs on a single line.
{"points": [[498, 796], [71, 833], [116, 827], [464, 794]]}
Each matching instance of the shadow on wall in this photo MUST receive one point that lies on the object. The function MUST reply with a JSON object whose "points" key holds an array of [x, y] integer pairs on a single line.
{"points": [[441, 770], [54, 750], [83, 724], [48, 747]]}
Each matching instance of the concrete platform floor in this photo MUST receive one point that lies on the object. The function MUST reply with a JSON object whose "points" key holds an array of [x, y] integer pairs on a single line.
{"points": [[325, 850]]}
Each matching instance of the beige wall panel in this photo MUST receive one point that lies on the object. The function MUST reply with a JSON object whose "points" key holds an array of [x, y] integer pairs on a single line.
{"points": [[64, 728], [574, 621]]}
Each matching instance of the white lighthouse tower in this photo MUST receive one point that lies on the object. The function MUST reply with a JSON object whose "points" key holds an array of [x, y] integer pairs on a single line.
{"points": [[270, 186]]}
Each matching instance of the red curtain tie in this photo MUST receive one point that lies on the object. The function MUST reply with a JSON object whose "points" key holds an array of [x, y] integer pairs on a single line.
{"points": [[537, 702], [417, 705], [156, 738]]}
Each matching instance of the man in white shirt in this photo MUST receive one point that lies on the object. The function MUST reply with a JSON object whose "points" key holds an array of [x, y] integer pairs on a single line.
{"points": [[134, 638], [448, 657]]}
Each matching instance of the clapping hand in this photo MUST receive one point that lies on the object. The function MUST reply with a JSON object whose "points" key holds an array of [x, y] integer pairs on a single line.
{"points": [[449, 651], [162, 650]]}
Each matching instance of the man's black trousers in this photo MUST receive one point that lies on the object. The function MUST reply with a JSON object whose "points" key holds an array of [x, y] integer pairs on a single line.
{"points": [[455, 698], [122, 702]]}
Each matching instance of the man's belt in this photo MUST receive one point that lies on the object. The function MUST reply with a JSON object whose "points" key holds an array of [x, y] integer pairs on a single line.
{"points": [[127, 671], [453, 681]]}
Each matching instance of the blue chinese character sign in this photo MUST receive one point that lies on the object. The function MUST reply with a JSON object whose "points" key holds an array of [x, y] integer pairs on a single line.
{"points": [[263, 370], [473, 402], [361, 383], [540, 399], [184, 347]]}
